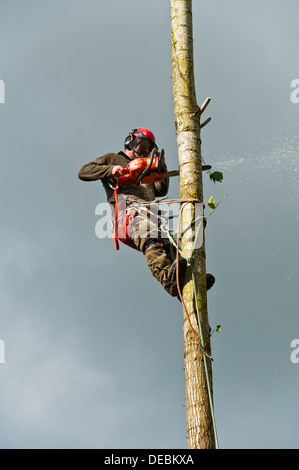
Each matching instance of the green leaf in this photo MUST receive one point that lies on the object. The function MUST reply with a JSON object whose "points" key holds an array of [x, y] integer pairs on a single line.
{"points": [[217, 329], [212, 203], [216, 176]]}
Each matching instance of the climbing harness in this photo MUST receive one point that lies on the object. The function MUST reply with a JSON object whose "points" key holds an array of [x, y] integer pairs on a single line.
{"points": [[144, 170]]}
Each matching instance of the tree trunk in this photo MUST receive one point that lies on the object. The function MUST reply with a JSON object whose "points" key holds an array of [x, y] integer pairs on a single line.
{"points": [[199, 414]]}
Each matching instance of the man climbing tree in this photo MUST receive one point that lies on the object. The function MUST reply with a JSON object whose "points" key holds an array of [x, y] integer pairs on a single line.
{"points": [[137, 176], [198, 372], [136, 179]]}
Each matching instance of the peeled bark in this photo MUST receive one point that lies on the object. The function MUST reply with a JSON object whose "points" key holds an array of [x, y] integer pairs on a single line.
{"points": [[200, 432]]}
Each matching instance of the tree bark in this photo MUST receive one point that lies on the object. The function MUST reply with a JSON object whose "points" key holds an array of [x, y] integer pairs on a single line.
{"points": [[200, 431]]}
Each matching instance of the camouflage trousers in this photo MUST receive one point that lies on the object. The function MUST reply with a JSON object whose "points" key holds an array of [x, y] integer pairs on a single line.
{"points": [[145, 232]]}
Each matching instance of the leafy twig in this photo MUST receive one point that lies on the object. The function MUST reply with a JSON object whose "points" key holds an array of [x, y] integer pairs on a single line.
{"points": [[218, 329]]}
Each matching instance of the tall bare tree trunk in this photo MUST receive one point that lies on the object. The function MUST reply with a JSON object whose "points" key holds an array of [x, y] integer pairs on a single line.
{"points": [[199, 415]]}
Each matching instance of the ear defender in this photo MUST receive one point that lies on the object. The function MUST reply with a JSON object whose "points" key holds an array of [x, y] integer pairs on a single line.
{"points": [[129, 140]]}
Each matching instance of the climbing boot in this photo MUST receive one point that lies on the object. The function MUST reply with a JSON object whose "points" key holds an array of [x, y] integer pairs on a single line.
{"points": [[210, 280]]}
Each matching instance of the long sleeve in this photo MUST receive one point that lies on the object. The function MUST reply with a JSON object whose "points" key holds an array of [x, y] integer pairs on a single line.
{"points": [[161, 187], [101, 169], [98, 169]]}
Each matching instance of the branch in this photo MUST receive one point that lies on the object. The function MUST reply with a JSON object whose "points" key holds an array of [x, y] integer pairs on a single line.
{"points": [[204, 105], [205, 123]]}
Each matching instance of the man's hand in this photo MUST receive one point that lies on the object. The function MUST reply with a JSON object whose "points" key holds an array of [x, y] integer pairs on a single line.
{"points": [[119, 171]]}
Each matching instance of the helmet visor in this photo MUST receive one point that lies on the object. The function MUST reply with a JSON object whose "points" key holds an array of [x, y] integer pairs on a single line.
{"points": [[143, 146]]}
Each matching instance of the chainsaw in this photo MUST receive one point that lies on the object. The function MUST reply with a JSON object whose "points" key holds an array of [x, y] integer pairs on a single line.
{"points": [[147, 170]]}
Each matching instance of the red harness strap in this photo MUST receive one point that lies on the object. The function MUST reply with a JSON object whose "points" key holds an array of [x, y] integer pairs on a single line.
{"points": [[121, 227], [115, 225]]}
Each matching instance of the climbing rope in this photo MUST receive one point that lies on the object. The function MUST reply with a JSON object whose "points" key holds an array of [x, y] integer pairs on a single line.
{"points": [[199, 342]]}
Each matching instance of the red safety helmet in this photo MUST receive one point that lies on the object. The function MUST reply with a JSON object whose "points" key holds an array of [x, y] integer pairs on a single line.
{"points": [[141, 132]]}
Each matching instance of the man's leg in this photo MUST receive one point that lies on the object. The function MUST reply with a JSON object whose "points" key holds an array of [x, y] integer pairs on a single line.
{"points": [[157, 254], [162, 267], [147, 237]]}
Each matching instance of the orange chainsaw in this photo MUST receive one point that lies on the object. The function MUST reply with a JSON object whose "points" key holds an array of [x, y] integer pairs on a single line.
{"points": [[147, 170]]}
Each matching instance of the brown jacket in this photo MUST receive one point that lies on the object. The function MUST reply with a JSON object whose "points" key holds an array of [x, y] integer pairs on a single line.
{"points": [[101, 169]]}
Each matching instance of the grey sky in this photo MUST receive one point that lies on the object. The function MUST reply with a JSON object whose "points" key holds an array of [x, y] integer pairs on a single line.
{"points": [[93, 345]]}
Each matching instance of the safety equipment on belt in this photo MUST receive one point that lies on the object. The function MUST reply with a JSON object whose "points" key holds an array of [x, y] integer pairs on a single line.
{"points": [[144, 170], [121, 223]]}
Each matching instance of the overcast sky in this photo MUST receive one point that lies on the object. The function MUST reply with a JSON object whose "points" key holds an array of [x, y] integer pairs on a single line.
{"points": [[93, 344]]}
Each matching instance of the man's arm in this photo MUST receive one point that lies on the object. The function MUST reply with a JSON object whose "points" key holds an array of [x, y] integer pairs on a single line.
{"points": [[103, 167], [161, 187], [96, 170]]}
